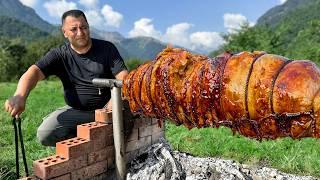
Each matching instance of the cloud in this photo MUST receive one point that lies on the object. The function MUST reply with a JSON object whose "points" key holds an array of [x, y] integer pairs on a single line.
{"points": [[144, 27], [95, 19], [282, 1], [233, 22], [178, 34], [56, 8], [89, 4], [112, 17], [205, 41], [30, 3]]}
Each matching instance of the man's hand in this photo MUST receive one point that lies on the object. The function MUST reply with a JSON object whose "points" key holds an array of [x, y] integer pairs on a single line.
{"points": [[15, 105]]}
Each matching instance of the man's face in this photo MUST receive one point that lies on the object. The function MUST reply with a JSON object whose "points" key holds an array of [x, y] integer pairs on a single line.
{"points": [[77, 31]]}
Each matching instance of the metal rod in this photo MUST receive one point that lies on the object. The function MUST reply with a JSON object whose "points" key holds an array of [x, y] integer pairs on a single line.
{"points": [[107, 82], [118, 132]]}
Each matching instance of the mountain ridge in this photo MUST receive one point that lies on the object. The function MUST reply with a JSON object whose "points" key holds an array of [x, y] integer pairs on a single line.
{"points": [[143, 48], [15, 9]]}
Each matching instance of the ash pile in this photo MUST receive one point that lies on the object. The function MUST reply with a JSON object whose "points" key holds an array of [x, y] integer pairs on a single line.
{"points": [[159, 162]]}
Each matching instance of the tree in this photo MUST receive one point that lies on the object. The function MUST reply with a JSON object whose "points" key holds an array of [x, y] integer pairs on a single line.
{"points": [[250, 39], [133, 63], [11, 53], [306, 45]]}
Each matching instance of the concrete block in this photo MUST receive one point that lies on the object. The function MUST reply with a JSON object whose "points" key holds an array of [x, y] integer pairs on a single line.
{"points": [[134, 145], [134, 135]]}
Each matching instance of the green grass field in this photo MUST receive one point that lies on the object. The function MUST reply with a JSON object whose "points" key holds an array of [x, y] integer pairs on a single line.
{"points": [[293, 156]]}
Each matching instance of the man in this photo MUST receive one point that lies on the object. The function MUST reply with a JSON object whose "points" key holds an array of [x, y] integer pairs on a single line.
{"points": [[75, 63]]}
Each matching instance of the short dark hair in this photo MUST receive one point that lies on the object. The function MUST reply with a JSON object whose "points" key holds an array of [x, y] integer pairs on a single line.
{"points": [[74, 13]]}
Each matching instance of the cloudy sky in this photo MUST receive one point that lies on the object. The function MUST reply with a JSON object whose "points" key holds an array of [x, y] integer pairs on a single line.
{"points": [[188, 23]]}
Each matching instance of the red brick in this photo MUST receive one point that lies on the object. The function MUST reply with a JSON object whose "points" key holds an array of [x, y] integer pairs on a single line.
{"points": [[101, 155], [134, 135], [109, 140], [103, 116], [111, 162], [73, 147], [95, 132], [29, 178], [90, 171], [55, 166], [63, 177], [110, 151], [134, 145]]}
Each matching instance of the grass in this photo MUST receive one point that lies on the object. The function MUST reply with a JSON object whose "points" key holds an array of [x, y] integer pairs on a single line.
{"points": [[46, 97], [292, 156]]}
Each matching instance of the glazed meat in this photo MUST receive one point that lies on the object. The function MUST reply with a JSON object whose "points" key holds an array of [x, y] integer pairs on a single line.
{"points": [[257, 94]]}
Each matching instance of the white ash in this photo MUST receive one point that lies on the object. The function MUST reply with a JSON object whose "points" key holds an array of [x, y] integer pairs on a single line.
{"points": [[159, 162]]}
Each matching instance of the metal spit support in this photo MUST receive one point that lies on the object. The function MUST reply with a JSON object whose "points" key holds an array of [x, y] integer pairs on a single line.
{"points": [[117, 120]]}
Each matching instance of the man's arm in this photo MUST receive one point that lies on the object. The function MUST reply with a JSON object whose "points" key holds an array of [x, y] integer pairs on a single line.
{"points": [[121, 75], [15, 105]]}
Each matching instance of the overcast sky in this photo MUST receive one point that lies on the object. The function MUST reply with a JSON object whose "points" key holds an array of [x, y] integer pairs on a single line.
{"points": [[194, 24]]}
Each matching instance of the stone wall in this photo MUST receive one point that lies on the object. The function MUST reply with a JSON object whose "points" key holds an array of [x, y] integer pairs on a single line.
{"points": [[92, 153]]}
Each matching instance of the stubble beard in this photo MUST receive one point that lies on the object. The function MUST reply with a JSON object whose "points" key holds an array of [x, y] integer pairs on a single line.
{"points": [[81, 43]]}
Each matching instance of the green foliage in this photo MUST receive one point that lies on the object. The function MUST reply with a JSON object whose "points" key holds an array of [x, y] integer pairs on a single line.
{"points": [[48, 95], [133, 63], [13, 28], [15, 9], [11, 53], [15, 57], [250, 39], [291, 30], [288, 155], [37, 49], [306, 45]]}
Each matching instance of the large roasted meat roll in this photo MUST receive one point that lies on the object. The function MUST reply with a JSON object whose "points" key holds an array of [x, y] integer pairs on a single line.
{"points": [[257, 94]]}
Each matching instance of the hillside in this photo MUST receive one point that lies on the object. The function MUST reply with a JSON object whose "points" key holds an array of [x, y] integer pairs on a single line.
{"points": [[12, 28], [15, 9], [277, 15], [291, 30], [145, 48], [291, 17], [21, 21]]}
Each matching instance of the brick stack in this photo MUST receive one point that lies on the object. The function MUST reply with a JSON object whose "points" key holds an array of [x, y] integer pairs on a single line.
{"points": [[91, 153]]}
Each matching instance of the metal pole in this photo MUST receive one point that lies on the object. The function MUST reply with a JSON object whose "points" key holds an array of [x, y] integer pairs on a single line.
{"points": [[118, 132]]}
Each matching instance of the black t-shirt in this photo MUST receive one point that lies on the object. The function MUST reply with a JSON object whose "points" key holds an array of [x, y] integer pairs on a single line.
{"points": [[76, 72]]}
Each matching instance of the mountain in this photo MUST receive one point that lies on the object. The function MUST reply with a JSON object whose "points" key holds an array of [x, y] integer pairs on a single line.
{"points": [[275, 16], [145, 48], [142, 47], [18, 20], [114, 37], [13, 28], [290, 30], [15, 9]]}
